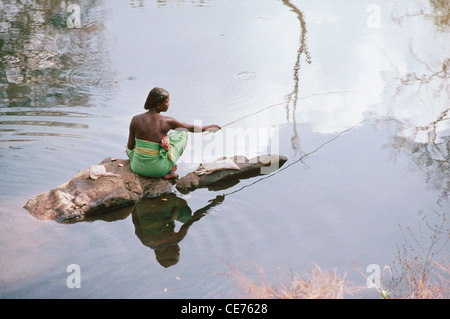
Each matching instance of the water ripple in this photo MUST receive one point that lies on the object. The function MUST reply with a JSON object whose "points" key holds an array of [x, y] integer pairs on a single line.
{"points": [[94, 79]]}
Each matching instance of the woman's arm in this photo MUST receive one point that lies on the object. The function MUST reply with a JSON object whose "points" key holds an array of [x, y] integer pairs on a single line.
{"points": [[131, 142], [174, 124]]}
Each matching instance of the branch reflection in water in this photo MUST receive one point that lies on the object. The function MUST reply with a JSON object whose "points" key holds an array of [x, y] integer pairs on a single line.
{"points": [[293, 97]]}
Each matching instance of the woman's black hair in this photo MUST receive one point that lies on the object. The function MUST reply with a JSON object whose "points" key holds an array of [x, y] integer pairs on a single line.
{"points": [[156, 96]]}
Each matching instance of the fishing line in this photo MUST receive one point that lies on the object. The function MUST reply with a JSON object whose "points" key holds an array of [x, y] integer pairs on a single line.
{"points": [[278, 104], [297, 160], [220, 198]]}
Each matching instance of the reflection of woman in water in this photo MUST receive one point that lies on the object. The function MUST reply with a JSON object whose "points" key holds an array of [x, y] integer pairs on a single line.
{"points": [[154, 222], [151, 150]]}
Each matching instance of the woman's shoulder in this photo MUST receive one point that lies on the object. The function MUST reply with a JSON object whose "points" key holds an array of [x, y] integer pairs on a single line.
{"points": [[151, 117], [141, 116], [135, 117]]}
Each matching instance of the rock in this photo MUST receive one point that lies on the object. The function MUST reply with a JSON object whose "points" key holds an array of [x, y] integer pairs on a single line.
{"points": [[83, 196], [220, 179], [114, 185]]}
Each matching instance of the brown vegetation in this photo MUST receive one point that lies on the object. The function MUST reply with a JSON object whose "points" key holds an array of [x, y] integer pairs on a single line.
{"points": [[415, 274], [331, 285], [318, 285]]}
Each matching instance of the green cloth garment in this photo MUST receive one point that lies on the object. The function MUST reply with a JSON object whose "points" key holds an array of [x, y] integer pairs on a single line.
{"points": [[157, 217], [151, 160]]}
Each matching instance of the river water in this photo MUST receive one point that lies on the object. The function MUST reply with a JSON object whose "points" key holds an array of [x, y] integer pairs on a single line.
{"points": [[354, 93]]}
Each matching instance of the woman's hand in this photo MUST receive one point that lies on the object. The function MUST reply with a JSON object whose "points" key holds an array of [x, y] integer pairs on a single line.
{"points": [[213, 128]]}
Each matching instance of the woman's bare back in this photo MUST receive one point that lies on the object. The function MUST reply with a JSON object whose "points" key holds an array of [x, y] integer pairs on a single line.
{"points": [[150, 127]]}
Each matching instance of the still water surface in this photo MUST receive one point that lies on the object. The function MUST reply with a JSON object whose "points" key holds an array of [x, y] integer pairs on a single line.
{"points": [[362, 113]]}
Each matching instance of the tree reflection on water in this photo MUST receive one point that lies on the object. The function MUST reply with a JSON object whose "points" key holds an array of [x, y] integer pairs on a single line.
{"points": [[45, 64], [424, 87]]}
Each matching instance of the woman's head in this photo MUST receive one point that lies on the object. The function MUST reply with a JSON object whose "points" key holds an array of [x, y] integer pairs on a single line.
{"points": [[155, 97]]}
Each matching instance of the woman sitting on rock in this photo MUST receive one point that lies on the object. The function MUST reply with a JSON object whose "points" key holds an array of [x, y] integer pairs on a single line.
{"points": [[151, 150]]}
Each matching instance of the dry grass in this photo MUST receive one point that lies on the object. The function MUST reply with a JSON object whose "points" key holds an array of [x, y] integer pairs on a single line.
{"points": [[318, 284], [414, 274], [434, 285], [420, 269]]}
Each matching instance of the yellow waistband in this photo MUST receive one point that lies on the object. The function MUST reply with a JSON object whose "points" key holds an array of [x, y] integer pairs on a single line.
{"points": [[147, 151]]}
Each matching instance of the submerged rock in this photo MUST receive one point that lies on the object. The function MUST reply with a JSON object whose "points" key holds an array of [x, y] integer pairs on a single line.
{"points": [[112, 184]]}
